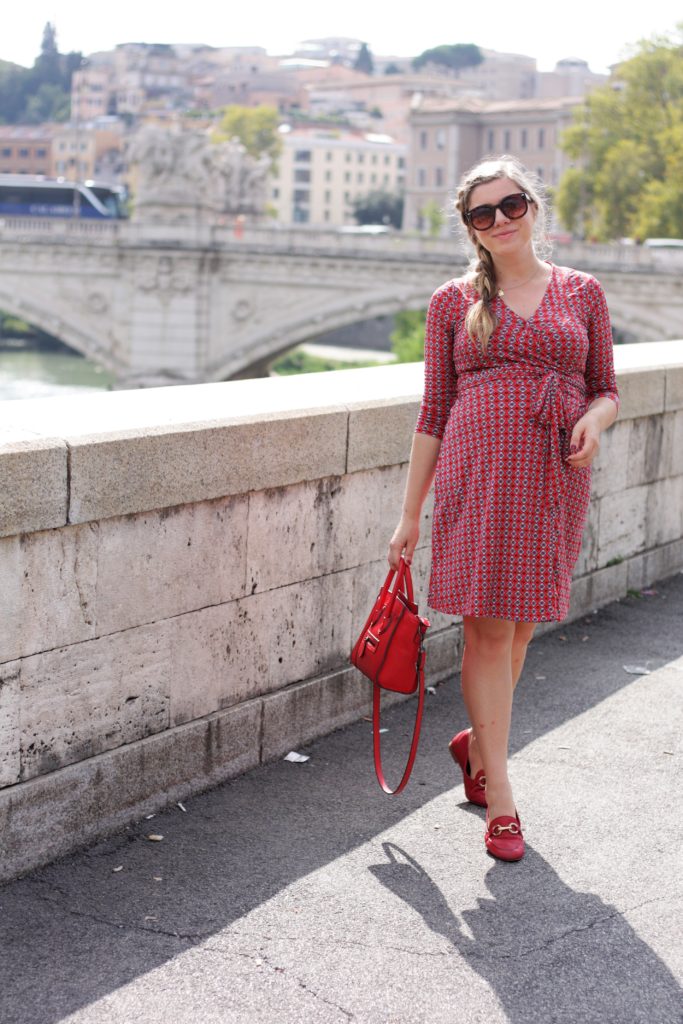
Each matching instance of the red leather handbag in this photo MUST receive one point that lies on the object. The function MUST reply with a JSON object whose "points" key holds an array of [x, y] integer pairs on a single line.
{"points": [[390, 652]]}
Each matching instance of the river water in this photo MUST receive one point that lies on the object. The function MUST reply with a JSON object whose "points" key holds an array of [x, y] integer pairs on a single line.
{"points": [[33, 373]]}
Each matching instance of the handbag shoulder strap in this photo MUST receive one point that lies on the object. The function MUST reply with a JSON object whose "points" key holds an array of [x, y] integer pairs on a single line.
{"points": [[376, 741]]}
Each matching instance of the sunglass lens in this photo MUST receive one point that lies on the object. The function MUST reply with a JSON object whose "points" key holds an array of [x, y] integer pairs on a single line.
{"points": [[482, 217], [514, 206]]}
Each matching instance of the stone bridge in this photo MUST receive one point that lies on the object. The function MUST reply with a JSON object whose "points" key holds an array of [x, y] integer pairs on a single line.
{"points": [[159, 304]]}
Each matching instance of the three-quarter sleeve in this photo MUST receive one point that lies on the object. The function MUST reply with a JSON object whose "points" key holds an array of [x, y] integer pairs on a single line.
{"points": [[439, 373], [599, 373]]}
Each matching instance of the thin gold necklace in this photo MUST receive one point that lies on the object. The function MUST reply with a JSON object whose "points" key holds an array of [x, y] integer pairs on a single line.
{"points": [[520, 283]]}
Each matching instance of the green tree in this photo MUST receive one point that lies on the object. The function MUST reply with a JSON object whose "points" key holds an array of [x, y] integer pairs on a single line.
{"points": [[378, 207], [454, 57], [407, 338], [433, 213], [40, 93], [255, 127], [626, 144], [364, 61]]}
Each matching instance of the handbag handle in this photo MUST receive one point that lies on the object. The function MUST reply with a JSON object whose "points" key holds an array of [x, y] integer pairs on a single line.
{"points": [[404, 583], [376, 740]]}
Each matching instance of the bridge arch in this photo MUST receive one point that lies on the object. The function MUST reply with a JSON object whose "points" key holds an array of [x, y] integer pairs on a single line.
{"points": [[26, 307]]}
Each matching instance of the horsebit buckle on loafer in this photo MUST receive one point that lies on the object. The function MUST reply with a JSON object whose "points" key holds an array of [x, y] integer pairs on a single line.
{"points": [[512, 828]]}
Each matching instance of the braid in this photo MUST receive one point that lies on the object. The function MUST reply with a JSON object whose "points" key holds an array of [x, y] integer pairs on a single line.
{"points": [[480, 321]]}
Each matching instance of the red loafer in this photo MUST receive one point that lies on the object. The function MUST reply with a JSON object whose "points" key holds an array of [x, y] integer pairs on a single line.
{"points": [[504, 838], [475, 788]]}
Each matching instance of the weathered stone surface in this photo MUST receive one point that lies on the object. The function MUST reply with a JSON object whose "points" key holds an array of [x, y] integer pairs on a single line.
{"points": [[672, 464], [33, 471], [588, 556], [261, 643], [611, 467], [81, 700], [601, 587], [655, 565], [381, 434], [649, 450], [623, 524], [310, 529], [54, 814], [156, 468], [11, 611], [674, 388], [155, 565], [641, 392], [10, 683], [664, 511]]}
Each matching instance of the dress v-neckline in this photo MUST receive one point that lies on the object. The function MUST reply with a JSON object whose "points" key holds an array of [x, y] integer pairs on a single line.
{"points": [[527, 319]]}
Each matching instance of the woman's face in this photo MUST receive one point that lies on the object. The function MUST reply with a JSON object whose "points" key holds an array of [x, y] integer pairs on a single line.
{"points": [[505, 236]]}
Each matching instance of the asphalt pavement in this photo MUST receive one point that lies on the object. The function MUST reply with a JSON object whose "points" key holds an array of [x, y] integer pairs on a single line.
{"points": [[300, 894]]}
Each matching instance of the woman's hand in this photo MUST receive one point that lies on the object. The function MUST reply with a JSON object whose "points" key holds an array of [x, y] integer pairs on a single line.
{"points": [[585, 441], [404, 541]]}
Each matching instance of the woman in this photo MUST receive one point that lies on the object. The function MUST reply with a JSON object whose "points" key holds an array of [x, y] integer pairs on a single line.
{"points": [[519, 385]]}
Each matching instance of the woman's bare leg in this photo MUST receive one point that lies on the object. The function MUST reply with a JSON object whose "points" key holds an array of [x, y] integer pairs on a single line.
{"points": [[487, 691], [524, 631]]}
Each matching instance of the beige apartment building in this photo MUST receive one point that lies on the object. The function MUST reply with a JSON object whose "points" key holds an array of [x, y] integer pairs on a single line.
{"points": [[447, 137], [25, 149], [321, 171]]}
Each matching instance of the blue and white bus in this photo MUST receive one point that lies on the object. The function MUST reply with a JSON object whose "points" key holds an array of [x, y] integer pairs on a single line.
{"points": [[24, 195]]}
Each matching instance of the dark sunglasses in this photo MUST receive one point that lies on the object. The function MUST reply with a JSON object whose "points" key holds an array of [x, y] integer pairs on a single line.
{"points": [[481, 218]]}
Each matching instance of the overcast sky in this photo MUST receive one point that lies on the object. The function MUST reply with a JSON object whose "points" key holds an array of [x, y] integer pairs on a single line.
{"points": [[598, 32]]}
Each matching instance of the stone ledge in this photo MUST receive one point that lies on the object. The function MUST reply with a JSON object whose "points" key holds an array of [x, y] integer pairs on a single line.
{"points": [[33, 471]]}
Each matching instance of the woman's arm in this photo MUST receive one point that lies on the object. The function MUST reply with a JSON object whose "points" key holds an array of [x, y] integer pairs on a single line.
{"points": [[423, 456]]}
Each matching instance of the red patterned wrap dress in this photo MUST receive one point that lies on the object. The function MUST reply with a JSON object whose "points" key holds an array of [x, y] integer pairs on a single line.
{"points": [[509, 512]]}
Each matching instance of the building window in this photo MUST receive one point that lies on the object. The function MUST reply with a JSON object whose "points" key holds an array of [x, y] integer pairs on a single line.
{"points": [[41, 152], [302, 174], [302, 155], [328, 196], [539, 172], [401, 162], [423, 140], [301, 216], [23, 152], [326, 215], [360, 157], [385, 179], [387, 159], [328, 175], [328, 156], [491, 140], [421, 177], [348, 158], [523, 138], [347, 197], [302, 195], [359, 178], [541, 138], [438, 175], [373, 179], [507, 138], [7, 151], [276, 193], [440, 138], [347, 177]]}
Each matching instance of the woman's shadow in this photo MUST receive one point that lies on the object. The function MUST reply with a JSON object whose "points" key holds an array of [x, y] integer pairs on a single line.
{"points": [[548, 953]]}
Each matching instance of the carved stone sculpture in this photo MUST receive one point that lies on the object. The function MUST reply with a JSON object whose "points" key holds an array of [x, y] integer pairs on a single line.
{"points": [[185, 177]]}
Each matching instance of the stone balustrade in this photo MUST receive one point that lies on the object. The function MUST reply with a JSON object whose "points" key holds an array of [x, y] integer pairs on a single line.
{"points": [[183, 572]]}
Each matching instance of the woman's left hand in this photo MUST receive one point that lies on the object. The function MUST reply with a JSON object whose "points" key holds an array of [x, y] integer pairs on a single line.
{"points": [[585, 442]]}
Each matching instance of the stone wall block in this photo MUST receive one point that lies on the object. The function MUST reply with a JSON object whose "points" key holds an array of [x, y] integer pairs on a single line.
{"points": [[654, 565], [10, 684], [218, 660], [59, 584], [642, 392], [610, 469], [623, 524], [53, 814], [155, 565], [80, 700], [674, 388], [664, 516], [33, 471], [381, 434], [311, 529], [136, 471], [599, 588], [673, 463], [649, 451], [588, 556], [12, 618]]}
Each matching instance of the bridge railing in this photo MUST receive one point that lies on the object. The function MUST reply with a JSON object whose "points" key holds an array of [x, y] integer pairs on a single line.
{"points": [[184, 571]]}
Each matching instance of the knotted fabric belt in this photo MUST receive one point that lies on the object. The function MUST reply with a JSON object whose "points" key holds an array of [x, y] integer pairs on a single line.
{"points": [[550, 408]]}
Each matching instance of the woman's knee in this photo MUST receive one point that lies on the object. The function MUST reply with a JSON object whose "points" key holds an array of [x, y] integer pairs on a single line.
{"points": [[524, 632], [488, 637]]}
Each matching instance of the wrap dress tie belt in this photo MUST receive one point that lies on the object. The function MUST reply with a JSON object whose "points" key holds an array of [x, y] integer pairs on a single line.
{"points": [[552, 408]]}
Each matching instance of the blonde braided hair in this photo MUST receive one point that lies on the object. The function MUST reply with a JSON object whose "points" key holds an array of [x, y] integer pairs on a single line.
{"points": [[481, 321]]}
